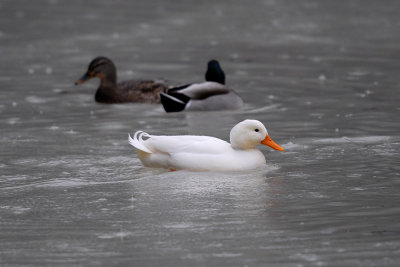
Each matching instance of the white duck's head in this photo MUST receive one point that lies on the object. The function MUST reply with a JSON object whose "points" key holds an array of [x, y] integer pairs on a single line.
{"points": [[250, 133]]}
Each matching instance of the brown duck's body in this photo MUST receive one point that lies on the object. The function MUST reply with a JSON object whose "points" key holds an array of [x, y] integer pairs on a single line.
{"points": [[109, 91], [130, 91]]}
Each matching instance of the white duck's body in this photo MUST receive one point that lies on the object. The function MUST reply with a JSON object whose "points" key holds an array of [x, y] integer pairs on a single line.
{"points": [[204, 153]]}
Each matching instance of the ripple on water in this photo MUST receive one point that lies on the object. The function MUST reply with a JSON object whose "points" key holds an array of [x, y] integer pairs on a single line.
{"points": [[13, 121], [250, 110], [118, 235], [227, 255], [15, 209], [114, 126], [362, 139], [290, 146], [36, 99]]}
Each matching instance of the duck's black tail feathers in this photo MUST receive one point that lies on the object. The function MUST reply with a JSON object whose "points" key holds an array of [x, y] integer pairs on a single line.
{"points": [[174, 102]]}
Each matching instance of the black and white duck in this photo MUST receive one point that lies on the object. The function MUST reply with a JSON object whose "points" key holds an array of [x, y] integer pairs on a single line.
{"points": [[212, 94]]}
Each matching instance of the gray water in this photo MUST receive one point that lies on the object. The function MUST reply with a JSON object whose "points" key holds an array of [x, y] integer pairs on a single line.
{"points": [[322, 75]]}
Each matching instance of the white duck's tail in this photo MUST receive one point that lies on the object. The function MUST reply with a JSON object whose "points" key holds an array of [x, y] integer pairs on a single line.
{"points": [[138, 142]]}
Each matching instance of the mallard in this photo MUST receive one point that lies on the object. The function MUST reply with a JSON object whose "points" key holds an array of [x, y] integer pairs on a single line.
{"points": [[109, 91], [209, 95], [205, 153]]}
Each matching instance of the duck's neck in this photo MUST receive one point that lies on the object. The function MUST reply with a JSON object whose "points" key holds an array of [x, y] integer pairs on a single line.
{"points": [[243, 146], [215, 74], [108, 80], [240, 143], [106, 92]]}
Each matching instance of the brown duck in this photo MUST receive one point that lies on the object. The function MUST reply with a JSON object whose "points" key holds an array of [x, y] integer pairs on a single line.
{"points": [[109, 91]]}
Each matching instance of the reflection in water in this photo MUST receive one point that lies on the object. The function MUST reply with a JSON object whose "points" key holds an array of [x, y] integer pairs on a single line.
{"points": [[273, 190]]}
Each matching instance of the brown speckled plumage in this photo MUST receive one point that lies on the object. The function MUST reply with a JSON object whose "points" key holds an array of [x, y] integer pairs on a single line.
{"points": [[138, 91], [130, 91]]}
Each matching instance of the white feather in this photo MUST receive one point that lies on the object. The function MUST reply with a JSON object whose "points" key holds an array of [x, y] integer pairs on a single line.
{"points": [[138, 141]]}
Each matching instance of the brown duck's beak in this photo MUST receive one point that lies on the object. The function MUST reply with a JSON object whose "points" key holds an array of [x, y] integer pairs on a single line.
{"points": [[83, 79], [269, 142]]}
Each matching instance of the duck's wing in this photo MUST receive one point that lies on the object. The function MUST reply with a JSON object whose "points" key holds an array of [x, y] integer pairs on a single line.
{"points": [[179, 144], [143, 86], [142, 91], [176, 99], [199, 91]]}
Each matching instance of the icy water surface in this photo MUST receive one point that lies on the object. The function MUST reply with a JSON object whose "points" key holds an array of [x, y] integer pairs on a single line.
{"points": [[322, 75]]}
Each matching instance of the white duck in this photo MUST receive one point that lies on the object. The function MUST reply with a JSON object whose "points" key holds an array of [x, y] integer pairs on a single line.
{"points": [[205, 153]]}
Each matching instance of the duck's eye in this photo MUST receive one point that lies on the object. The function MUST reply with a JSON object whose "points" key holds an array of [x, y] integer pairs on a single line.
{"points": [[256, 130]]}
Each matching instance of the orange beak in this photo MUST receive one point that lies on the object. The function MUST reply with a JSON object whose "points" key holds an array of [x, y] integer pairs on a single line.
{"points": [[269, 142]]}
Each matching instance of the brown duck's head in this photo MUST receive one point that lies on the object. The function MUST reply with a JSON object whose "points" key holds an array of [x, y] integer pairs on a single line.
{"points": [[102, 68]]}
